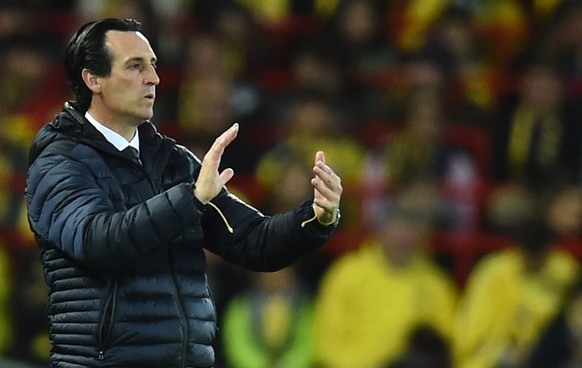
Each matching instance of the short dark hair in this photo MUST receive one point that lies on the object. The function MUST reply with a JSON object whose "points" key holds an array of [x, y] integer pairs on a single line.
{"points": [[86, 49]]}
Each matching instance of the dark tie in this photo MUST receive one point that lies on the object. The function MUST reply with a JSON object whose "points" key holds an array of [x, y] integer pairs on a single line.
{"points": [[133, 154]]}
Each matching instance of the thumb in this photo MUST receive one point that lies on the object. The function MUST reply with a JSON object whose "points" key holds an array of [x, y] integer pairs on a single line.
{"points": [[319, 156]]}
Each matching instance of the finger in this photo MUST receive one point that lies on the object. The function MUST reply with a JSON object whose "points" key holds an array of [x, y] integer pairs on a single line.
{"points": [[324, 188], [321, 191], [325, 203], [324, 171], [226, 138], [328, 191], [328, 177], [212, 158], [219, 145], [226, 175], [319, 157]]}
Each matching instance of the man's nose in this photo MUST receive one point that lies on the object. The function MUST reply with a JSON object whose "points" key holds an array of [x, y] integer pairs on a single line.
{"points": [[152, 76]]}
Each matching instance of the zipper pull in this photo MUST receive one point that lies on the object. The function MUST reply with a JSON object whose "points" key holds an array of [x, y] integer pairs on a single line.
{"points": [[101, 355]]}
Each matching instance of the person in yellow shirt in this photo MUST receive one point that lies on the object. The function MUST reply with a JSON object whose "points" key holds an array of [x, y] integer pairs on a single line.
{"points": [[510, 297], [371, 300], [269, 323]]}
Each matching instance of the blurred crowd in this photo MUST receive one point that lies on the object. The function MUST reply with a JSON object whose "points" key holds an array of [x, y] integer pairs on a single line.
{"points": [[455, 125]]}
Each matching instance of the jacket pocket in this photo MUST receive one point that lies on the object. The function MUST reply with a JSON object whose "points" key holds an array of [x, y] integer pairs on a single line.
{"points": [[107, 319]]}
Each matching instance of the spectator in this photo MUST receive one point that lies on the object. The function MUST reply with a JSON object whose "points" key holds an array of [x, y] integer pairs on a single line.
{"points": [[357, 37], [565, 212], [314, 71], [204, 94], [537, 136], [269, 324], [416, 150], [458, 49], [22, 108], [27, 57], [512, 295], [372, 299], [209, 98]]}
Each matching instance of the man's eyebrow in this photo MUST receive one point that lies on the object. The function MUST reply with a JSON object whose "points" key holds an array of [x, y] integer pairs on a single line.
{"points": [[141, 60]]}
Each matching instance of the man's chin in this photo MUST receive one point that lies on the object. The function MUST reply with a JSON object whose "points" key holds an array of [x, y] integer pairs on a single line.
{"points": [[146, 115]]}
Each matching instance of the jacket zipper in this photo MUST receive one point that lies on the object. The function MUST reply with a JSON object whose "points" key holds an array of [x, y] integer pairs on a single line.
{"points": [[181, 311], [153, 185], [109, 310]]}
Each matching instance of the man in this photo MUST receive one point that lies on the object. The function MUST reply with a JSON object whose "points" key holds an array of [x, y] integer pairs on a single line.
{"points": [[123, 235]]}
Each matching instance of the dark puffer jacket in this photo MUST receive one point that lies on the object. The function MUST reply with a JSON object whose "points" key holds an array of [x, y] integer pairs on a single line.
{"points": [[122, 246]]}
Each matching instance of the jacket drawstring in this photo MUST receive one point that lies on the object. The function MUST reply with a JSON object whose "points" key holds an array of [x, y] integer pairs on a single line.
{"points": [[230, 229]]}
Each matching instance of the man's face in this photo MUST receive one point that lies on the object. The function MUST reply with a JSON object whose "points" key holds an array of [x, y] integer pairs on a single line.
{"points": [[129, 92]]}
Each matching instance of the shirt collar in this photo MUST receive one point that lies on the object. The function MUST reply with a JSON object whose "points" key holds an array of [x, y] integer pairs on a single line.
{"points": [[113, 137]]}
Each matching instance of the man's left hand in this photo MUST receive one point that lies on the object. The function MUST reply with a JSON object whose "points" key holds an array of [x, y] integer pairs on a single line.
{"points": [[327, 190]]}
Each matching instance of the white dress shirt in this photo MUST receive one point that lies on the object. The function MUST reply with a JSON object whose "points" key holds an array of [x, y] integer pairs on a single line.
{"points": [[113, 137]]}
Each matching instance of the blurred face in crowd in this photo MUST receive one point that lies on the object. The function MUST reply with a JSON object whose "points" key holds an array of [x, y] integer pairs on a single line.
{"points": [[292, 187], [125, 98], [358, 22], [542, 89], [565, 215], [311, 118], [401, 240]]}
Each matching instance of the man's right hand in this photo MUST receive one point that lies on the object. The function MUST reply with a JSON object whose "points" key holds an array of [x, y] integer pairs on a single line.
{"points": [[210, 181]]}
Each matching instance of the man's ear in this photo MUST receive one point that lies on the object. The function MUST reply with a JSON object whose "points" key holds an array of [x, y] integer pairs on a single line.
{"points": [[91, 80]]}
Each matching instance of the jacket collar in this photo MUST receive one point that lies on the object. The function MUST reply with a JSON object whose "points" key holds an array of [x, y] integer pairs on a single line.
{"points": [[70, 124]]}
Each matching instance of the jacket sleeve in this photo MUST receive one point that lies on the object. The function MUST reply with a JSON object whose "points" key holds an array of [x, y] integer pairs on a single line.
{"points": [[242, 235], [71, 211]]}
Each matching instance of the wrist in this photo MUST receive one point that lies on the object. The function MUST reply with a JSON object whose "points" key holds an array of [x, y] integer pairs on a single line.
{"points": [[332, 221], [201, 206]]}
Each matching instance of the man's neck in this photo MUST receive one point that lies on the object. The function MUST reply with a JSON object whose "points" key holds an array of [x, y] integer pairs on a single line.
{"points": [[126, 130]]}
